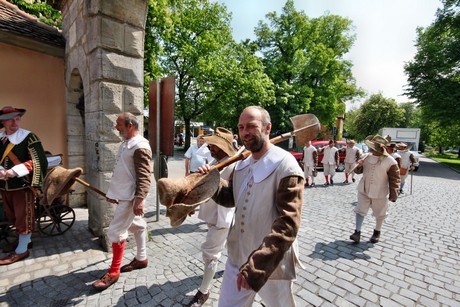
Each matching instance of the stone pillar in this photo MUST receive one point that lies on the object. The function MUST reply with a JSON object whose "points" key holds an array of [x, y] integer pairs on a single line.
{"points": [[104, 76]]}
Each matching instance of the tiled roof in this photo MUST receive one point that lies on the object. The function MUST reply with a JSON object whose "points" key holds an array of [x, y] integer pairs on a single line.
{"points": [[17, 22]]}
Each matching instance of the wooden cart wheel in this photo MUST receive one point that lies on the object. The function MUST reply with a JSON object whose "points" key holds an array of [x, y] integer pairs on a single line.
{"points": [[58, 221]]}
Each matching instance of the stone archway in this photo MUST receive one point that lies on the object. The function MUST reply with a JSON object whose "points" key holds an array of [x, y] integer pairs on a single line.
{"points": [[104, 76], [76, 132]]}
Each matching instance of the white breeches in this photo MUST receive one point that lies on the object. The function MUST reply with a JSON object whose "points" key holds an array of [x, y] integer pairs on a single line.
{"points": [[275, 293]]}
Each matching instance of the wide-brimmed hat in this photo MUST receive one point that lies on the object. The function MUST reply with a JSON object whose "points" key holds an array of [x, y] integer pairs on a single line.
{"points": [[9, 112], [223, 139], [58, 181], [391, 145], [377, 143], [401, 145], [351, 142]]}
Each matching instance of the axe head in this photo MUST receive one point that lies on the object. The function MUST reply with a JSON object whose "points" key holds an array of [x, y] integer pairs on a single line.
{"points": [[308, 126]]}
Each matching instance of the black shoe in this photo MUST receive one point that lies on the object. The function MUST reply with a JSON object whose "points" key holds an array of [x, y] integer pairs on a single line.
{"points": [[353, 179], [332, 182], [346, 181], [356, 236], [312, 185], [375, 236], [326, 184], [401, 192], [199, 299]]}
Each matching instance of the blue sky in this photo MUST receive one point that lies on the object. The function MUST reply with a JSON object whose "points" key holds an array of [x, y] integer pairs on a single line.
{"points": [[385, 34]]}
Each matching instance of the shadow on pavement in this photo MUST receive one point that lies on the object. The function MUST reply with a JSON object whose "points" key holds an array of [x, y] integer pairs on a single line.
{"points": [[340, 249]]}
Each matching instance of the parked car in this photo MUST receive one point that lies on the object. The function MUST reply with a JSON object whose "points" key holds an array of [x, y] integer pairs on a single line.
{"points": [[363, 147], [297, 152]]}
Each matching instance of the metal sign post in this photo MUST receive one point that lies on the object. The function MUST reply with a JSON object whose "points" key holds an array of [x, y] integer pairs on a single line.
{"points": [[158, 162]]}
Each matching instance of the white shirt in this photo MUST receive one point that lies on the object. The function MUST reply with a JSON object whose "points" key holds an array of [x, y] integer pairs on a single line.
{"points": [[308, 155]]}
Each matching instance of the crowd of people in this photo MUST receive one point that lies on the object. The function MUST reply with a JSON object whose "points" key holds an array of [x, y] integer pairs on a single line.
{"points": [[255, 212]]}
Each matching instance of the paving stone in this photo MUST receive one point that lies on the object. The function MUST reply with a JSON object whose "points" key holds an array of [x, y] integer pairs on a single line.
{"points": [[415, 263]]}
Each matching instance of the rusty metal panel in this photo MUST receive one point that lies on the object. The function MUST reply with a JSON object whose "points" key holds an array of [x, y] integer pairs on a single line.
{"points": [[167, 94]]}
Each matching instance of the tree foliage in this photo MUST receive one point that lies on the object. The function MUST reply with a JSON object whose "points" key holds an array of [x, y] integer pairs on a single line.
{"points": [[44, 12], [304, 58], [434, 73], [376, 113], [215, 77], [443, 136], [352, 132]]}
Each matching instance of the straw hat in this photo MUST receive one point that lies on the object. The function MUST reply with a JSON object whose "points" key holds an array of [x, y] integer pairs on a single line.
{"points": [[183, 195], [391, 145], [58, 182], [223, 139], [9, 112], [352, 142], [377, 143], [401, 145]]}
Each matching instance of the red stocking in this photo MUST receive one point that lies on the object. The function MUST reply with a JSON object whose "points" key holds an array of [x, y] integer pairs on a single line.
{"points": [[118, 249]]}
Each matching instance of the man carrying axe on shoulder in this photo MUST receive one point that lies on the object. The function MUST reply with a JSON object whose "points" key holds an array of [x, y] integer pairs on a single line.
{"points": [[217, 218], [267, 191]]}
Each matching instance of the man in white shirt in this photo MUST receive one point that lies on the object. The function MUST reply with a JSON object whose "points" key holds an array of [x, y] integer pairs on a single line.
{"points": [[330, 161], [129, 187], [192, 160], [310, 161], [407, 163], [217, 218], [352, 154]]}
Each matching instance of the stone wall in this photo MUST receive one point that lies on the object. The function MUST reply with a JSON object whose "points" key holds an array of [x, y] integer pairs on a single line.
{"points": [[104, 76]]}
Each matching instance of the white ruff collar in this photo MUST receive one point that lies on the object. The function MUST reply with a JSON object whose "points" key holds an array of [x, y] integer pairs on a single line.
{"points": [[16, 137], [134, 141], [265, 165]]}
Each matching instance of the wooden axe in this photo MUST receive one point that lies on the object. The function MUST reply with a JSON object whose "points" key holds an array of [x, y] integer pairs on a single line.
{"points": [[86, 184], [179, 195], [306, 127]]}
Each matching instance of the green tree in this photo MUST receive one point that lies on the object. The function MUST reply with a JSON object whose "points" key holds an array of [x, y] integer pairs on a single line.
{"points": [[349, 125], [409, 113], [443, 137], [376, 113], [434, 74], [304, 58], [243, 82], [43, 11], [215, 77]]}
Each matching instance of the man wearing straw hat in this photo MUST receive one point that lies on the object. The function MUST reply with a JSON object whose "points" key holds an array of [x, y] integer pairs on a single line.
{"points": [[129, 187], [267, 191], [379, 183], [391, 149], [407, 163], [23, 168], [217, 218]]}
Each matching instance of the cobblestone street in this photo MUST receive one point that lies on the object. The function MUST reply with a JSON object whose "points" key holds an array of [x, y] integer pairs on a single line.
{"points": [[416, 262]]}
